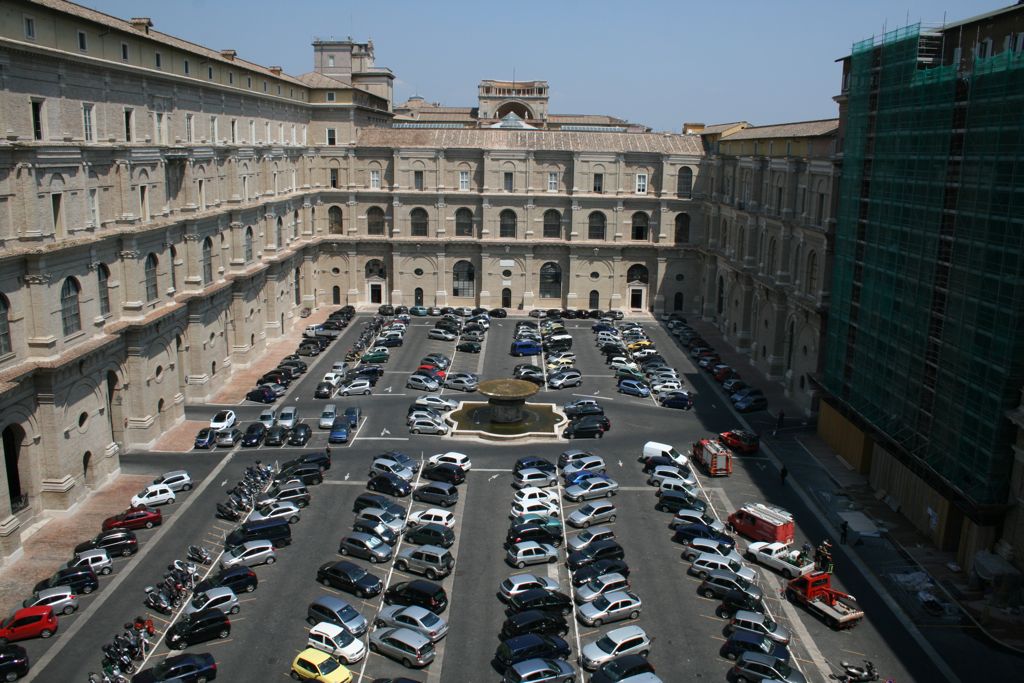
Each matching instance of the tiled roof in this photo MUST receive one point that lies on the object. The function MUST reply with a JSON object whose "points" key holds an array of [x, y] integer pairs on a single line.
{"points": [[722, 127], [318, 80], [156, 36], [799, 129], [590, 119], [538, 140], [434, 115]]}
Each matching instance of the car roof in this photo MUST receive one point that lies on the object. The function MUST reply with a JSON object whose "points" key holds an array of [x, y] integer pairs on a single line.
{"points": [[327, 628], [624, 632], [56, 590]]}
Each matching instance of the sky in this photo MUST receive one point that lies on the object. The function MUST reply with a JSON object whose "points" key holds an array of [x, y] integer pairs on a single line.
{"points": [[655, 62]]}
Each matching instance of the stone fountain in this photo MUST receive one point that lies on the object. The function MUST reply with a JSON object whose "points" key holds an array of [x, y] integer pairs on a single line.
{"points": [[506, 415]]}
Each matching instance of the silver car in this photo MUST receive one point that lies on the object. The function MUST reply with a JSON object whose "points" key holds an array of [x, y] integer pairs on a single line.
{"points": [[389, 466], [365, 546], [626, 640], [277, 510], [222, 598], [592, 513], [664, 473], [423, 383], [423, 414], [520, 583], [414, 618], [249, 554], [428, 427], [531, 552], [585, 538], [611, 607], [461, 383], [411, 648], [594, 487], [393, 522], [600, 585], [531, 476], [178, 480], [542, 670], [60, 598], [590, 463], [98, 560]]}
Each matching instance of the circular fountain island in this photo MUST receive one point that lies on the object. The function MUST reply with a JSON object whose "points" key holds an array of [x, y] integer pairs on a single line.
{"points": [[506, 416]]}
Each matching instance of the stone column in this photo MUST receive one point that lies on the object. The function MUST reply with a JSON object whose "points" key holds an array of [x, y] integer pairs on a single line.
{"points": [[655, 289]]}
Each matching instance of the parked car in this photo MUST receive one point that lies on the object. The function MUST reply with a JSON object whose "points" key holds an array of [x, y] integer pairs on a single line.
{"points": [[138, 517], [431, 561], [526, 553], [520, 583], [314, 665], [339, 431], [61, 599], [364, 546], [262, 394], [614, 606], [431, 534], [438, 492], [254, 434], [625, 640], [225, 419], [589, 488], [198, 627], [361, 386], [422, 383], [592, 513], [349, 577], [534, 621], [422, 426], [337, 642], [627, 668], [206, 438], [249, 554], [154, 494], [634, 387], [14, 662], [229, 437], [425, 594], [414, 618], [187, 668], [115, 541], [240, 579], [299, 436]]}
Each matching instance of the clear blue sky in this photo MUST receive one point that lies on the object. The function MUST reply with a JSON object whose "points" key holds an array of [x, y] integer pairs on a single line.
{"points": [[655, 62]]}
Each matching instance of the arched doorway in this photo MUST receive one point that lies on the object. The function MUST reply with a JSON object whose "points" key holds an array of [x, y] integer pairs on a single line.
{"points": [[114, 413], [677, 302], [506, 298], [376, 279], [336, 295], [417, 296], [160, 414], [517, 108], [297, 286], [637, 278], [595, 299], [86, 469], [13, 438]]}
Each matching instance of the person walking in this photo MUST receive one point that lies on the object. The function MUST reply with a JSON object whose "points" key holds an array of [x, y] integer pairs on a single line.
{"points": [[783, 473]]}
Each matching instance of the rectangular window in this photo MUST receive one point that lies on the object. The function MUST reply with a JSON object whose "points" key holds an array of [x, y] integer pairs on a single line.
{"points": [[30, 28], [231, 78], [252, 132], [280, 133], [264, 86], [417, 180], [185, 65], [213, 129], [83, 42], [599, 183], [248, 82], [188, 127], [89, 133], [641, 183], [124, 52], [129, 125], [158, 129], [552, 181], [509, 181], [334, 177], [330, 60], [303, 135], [293, 134], [57, 212], [94, 207], [37, 119], [330, 96], [234, 131], [209, 72], [464, 180], [374, 179], [156, 60], [144, 203], [332, 138], [266, 131], [279, 89]]}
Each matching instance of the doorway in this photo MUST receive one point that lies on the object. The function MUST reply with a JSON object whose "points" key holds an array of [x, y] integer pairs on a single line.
{"points": [[336, 295], [677, 302], [13, 437], [376, 294], [417, 296], [595, 299], [636, 297], [506, 298]]}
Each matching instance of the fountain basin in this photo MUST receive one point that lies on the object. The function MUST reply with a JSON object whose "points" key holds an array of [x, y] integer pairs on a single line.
{"points": [[476, 419]]}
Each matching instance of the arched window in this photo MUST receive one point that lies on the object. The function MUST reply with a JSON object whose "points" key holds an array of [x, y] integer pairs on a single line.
{"points": [[552, 224], [375, 268], [463, 223], [170, 268], [797, 262], [463, 279], [550, 281], [684, 182], [507, 224], [103, 283], [595, 299], [248, 244], [640, 226], [682, 228], [375, 221], [596, 226], [819, 211], [70, 314], [811, 276], [152, 288], [637, 273], [280, 233], [207, 261], [5, 326], [769, 266], [295, 215], [790, 340], [677, 302], [720, 296], [420, 222], [334, 220]]}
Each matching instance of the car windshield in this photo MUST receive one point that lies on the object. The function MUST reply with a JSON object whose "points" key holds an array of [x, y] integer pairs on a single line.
{"points": [[734, 565], [327, 666], [429, 619], [766, 645], [220, 417], [770, 624], [605, 644], [373, 542], [601, 603], [199, 600], [742, 583], [348, 613], [595, 584], [344, 638], [783, 669], [586, 535], [587, 509]]}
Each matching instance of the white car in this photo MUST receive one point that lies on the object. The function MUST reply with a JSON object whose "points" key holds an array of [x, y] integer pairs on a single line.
{"points": [[664, 473], [357, 386], [332, 378], [443, 335], [432, 516], [154, 494], [177, 480], [337, 642], [289, 417], [557, 363], [543, 508], [340, 367], [428, 427], [268, 417], [670, 385], [452, 458], [532, 493], [619, 363], [225, 419], [436, 402]]}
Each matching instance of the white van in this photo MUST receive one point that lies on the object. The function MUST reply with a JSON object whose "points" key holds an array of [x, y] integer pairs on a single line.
{"points": [[653, 448], [312, 330], [327, 417]]}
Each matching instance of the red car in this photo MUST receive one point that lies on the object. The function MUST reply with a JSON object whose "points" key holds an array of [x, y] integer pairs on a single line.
{"points": [[740, 440], [140, 517], [30, 622], [434, 370], [724, 373]]}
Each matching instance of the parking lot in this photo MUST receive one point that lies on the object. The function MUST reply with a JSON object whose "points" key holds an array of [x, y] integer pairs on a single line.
{"points": [[270, 628]]}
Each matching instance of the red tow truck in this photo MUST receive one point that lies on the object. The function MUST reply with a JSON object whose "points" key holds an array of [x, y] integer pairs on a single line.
{"points": [[814, 591]]}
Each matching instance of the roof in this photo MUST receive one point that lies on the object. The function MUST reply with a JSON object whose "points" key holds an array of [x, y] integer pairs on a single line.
{"points": [[585, 118], [156, 36], [317, 80], [722, 127], [799, 129], [534, 140]]}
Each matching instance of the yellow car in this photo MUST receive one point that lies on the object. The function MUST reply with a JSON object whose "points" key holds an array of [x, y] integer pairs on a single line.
{"points": [[314, 665], [637, 345]]}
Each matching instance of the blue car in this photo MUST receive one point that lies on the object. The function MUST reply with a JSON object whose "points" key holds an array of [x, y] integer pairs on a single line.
{"points": [[582, 476], [634, 387], [749, 403], [206, 438], [418, 310], [681, 401], [685, 534], [339, 431], [533, 461]]}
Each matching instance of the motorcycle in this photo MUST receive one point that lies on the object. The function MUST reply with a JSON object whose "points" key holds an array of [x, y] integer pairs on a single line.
{"points": [[157, 600], [144, 624], [227, 513], [199, 554], [856, 674]]}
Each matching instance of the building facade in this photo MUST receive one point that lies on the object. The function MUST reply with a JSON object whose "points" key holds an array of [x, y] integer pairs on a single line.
{"points": [[925, 358], [166, 209]]}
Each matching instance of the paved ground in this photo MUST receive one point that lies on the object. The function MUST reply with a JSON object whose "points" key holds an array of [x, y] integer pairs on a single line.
{"points": [[270, 630]]}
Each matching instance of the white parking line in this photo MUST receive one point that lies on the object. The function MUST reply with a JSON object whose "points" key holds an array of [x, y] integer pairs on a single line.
{"points": [[565, 544]]}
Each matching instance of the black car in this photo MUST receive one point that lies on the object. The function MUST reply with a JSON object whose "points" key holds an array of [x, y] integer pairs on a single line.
{"points": [[685, 534], [375, 371], [13, 662], [293, 362], [199, 627], [261, 395], [115, 542], [529, 646], [583, 421], [534, 621], [349, 577], [239, 579], [254, 434], [390, 341], [308, 350], [374, 500], [300, 436], [583, 429], [385, 309], [598, 550], [498, 313], [324, 390], [190, 668], [518, 533], [735, 600], [599, 568], [621, 668], [307, 473], [533, 461], [277, 436], [446, 472], [318, 458], [437, 492], [674, 501], [539, 599], [431, 534], [419, 592], [275, 377], [580, 410], [652, 461], [391, 484], [381, 531]]}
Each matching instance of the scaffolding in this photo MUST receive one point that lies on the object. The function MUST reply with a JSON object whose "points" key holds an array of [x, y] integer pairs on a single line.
{"points": [[927, 299]]}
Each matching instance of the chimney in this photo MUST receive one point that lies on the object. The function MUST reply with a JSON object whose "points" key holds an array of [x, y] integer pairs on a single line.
{"points": [[228, 55], [142, 24], [276, 70]]}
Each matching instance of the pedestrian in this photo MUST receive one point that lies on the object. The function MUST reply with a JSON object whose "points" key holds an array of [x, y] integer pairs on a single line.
{"points": [[327, 450], [844, 529], [783, 473]]}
